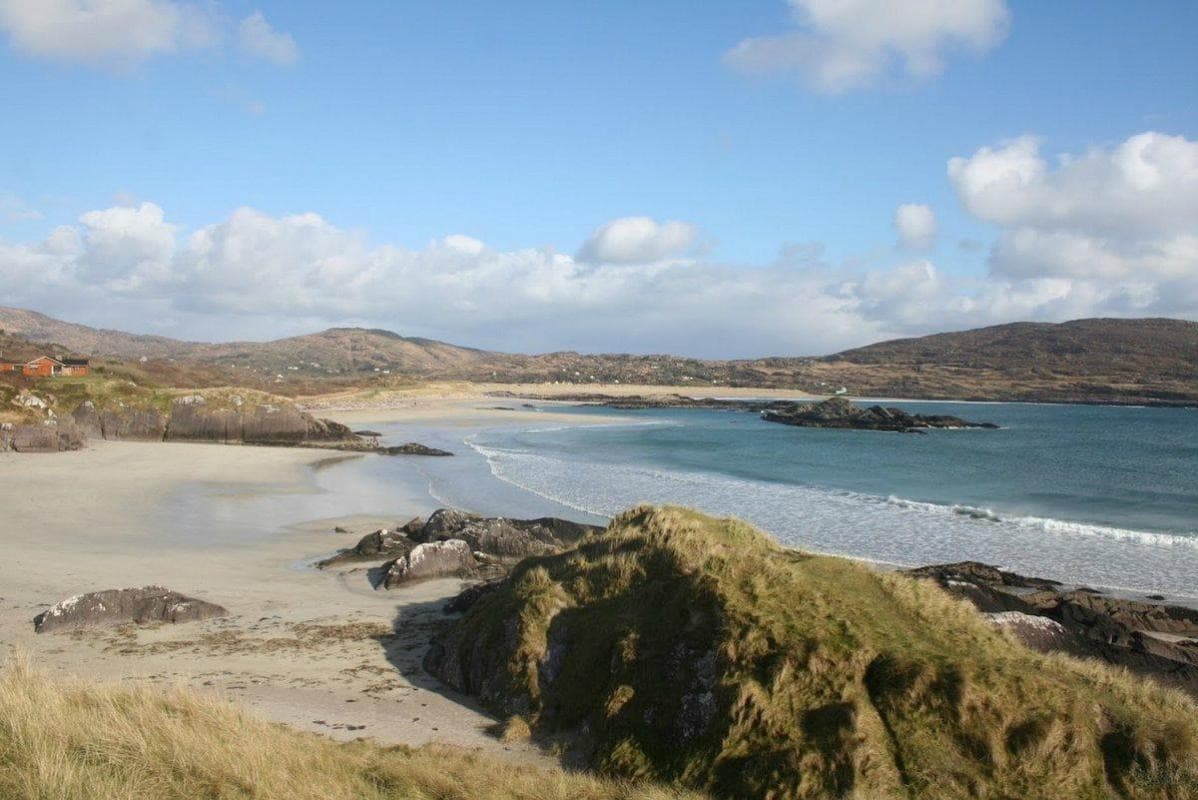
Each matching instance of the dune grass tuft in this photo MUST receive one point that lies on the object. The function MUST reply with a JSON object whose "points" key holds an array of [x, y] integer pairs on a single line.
{"points": [[66, 740]]}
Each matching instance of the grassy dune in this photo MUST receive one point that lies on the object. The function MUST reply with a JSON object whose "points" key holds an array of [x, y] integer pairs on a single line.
{"points": [[681, 648], [71, 741]]}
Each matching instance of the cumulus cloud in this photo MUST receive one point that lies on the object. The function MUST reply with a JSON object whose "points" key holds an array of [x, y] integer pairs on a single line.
{"points": [[916, 226], [124, 33], [637, 240], [104, 31], [253, 274], [1126, 214], [840, 45], [1071, 243], [257, 38]]}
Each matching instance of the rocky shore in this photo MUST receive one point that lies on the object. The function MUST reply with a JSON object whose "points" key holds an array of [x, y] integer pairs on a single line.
{"points": [[1148, 637], [456, 544], [226, 418]]}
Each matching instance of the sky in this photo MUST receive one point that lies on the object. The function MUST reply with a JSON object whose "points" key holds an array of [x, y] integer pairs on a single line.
{"points": [[723, 179]]}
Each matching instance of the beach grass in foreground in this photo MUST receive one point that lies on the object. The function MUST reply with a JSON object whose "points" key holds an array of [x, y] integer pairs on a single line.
{"points": [[68, 740]]}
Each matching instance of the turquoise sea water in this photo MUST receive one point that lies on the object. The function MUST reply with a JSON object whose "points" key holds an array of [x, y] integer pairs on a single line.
{"points": [[1099, 495]]}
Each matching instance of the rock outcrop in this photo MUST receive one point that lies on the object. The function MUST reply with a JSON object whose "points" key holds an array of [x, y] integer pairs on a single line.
{"points": [[379, 544], [452, 558], [412, 449], [1151, 638], [47, 436], [194, 419], [838, 412], [478, 547], [140, 606], [128, 423], [503, 537]]}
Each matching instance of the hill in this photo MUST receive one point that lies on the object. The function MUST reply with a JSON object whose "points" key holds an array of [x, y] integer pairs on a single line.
{"points": [[697, 651], [1167, 347], [1149, 361]]}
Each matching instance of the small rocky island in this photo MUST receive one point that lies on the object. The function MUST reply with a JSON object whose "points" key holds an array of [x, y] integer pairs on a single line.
{"points": [[837, 412]]}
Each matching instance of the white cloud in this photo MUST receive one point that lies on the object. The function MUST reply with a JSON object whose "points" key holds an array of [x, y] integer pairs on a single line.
{"points": [[120, 32], [840, 45], [1126, 213], [637, 240], [124, 33], [257, 38], [636, 284], [916, 225]]}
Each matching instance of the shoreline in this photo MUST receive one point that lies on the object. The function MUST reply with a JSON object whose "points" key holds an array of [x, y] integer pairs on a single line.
{"points": [[294, 649]]}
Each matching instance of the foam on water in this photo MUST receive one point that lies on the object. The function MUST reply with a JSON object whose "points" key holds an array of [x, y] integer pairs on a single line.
{"points": [[878, 528]]}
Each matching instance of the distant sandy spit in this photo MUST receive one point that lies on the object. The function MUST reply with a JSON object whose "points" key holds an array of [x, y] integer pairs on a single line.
{"points": [[320, 651], [476, 402]]}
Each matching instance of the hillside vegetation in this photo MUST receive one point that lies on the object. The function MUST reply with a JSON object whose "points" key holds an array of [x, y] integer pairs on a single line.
{"points": [[682, 648], [1094, 360], [71, 741]]}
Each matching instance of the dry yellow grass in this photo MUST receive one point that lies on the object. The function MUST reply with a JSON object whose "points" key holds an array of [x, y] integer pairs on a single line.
{"points": [[694, 650], [72, 741]]}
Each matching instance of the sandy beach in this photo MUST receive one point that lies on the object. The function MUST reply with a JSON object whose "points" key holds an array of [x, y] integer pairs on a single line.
{"points": [[317, 650]]}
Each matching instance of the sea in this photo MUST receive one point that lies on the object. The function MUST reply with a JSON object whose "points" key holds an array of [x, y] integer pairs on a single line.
{"points": [[1099, 496]]}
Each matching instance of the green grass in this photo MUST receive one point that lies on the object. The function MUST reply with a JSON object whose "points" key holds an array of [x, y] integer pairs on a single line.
{"points": [[820, 677], [71, 741]]}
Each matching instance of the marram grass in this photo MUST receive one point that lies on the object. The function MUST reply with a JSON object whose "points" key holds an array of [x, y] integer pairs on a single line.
{"points": [[680, 648], [66, 740]]}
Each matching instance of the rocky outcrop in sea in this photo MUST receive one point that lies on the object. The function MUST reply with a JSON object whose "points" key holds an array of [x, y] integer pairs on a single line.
{"points": [[838, 412]]}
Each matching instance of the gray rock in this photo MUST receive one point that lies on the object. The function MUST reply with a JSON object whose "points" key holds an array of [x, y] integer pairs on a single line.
{"points": [[124, 423], [1151, 638], [382, 543], [118, 606], [192, 421], [444, 523], [412, 449], [88, 420], [838, 412], [502, 537], [50, 436], [451, 558]]}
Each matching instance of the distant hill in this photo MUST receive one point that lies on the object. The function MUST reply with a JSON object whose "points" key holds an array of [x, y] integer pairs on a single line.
{"points": [[1152, 361], [94, 341], [1164, 347]]}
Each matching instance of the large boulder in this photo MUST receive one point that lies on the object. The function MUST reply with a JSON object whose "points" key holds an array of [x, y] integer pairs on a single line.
{"points": [[87, 419], [503, 537], [48, 436], [127, 423], [193, 420], [140, 606], [449, 559]]}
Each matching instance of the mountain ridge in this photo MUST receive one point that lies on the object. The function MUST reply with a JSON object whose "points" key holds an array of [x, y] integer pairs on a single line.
{"points": [[1099, 360]]}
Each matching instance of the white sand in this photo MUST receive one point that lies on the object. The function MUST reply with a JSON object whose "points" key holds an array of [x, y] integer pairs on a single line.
{"points": [[85, 521]]}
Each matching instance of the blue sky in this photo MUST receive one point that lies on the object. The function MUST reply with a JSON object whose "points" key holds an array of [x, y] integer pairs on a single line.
{"points": [[211, 173]]}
